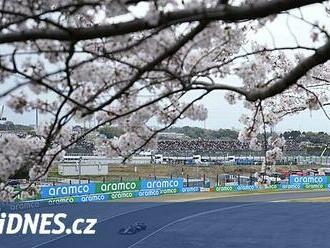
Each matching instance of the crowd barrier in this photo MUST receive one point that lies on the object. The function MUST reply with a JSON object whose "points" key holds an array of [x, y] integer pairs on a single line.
{"points": [[107, 191]]}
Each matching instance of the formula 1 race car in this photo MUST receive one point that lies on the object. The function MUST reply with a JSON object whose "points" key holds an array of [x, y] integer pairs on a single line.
{"points": [[133, 229]]}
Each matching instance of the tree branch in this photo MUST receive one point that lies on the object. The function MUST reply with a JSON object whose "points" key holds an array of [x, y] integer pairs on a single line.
{"points": [[170, 51], [321, 56], [225, 13]]}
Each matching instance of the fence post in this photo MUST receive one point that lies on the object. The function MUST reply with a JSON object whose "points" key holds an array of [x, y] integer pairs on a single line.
{"points": [[187, 180], [204, 180], [139, 178], [251, 178], [217, 179], [70, 182], [103, 179], [171, 176], [239, 179], [121, 179]]}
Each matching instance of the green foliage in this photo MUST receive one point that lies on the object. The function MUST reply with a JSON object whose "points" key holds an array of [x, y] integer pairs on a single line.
{"points": [[319, 138], [10, 126], [201, 133], [110, 132], [22, 173]]}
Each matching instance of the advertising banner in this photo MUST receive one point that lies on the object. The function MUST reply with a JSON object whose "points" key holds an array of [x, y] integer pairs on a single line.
{"points": [[246, 187], [67, 190], [61, 200], [169, 191], [271, 187], [250, 187], [225, 188], [147, 193], [118, 186], [291, 186], [121, 195], [162, 184], [203, 189], [308, 180], [315, 186], [80, 198], [190, 189], [93, 198]]}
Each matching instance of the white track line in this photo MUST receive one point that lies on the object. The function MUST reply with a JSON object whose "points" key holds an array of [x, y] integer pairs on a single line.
{"points": [[190, 217]]}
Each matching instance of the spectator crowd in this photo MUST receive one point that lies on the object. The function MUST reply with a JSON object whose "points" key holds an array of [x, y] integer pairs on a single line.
{"points": [[81, 148], [208, 147], [199, 146], [203, 146]]}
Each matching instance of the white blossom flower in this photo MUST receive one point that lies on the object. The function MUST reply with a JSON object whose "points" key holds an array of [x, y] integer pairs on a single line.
{"points": [[273, 155]]}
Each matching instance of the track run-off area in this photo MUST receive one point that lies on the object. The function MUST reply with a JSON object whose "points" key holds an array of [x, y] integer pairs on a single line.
{"points": [[247, 220]]}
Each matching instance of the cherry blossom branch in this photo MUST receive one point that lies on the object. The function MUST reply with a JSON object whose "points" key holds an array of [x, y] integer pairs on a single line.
{"points": [[38, 81], [322, 30], [316, 98], [224, 13], [90, 131], [248, 54], [170, 51], [166, 126], [24, 17], [320, 56]]}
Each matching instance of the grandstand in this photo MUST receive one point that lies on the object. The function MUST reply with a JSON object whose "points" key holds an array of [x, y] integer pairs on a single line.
{"points": [[219, 147], [189, 141], [81, 148], [200, 146], [216, 147]]}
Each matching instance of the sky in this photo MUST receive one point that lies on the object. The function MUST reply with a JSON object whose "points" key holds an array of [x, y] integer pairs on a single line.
{"points": [[223, 115], [282, 32]]}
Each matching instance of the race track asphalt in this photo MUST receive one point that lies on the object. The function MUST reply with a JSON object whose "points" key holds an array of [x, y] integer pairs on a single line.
{"points": [[237, 222]]}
